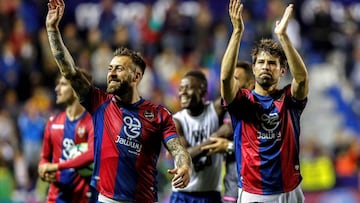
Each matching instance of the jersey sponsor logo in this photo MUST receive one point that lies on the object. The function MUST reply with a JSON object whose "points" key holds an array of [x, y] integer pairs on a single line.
{"points": [[269, 126], [81, 131], [67, 145], [132, 130], [269, 136], [130, 143], [132, 127], [270, 122]]}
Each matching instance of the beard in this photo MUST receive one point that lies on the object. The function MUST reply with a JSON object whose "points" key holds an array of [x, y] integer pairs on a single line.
{"points": [[119, 90], [265, 82]]}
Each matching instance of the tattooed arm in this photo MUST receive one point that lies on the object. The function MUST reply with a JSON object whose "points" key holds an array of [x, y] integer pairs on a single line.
{"points": [[182, 162], [61, 54]]}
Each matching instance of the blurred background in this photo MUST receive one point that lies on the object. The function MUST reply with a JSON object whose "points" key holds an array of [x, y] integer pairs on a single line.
{"points": [[174, 37]]}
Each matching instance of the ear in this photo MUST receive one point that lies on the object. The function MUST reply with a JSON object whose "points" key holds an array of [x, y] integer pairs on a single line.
{"points": [[282, 71], [137, 77]]}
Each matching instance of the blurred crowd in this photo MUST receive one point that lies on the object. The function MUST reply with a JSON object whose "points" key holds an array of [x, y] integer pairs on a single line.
{"points": [[174, 37]]}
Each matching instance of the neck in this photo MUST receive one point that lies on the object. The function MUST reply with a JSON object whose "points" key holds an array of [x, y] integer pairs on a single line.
{"points": [[265, 91], [129, 98], [74, 111], [197, 110]]}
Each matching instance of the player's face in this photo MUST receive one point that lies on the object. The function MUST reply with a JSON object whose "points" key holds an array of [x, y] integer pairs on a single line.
{"points": [[267, 69], [190, 92], [120, 76], [64, 92], [240, 77]]}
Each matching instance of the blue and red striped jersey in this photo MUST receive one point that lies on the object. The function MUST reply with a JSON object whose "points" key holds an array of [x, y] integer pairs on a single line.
{"points": [[266, 136], [128, 139], [60, 136]]}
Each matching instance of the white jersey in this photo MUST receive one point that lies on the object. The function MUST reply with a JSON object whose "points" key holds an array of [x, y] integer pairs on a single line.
{"points": [[206, 171]]}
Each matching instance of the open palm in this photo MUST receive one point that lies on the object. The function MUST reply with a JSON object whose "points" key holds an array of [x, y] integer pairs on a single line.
{"points": [[235, 11], [280, 27], [55, 13]]}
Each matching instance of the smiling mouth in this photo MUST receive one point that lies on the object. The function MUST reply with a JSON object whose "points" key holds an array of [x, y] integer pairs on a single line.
{"points": [[114, 82], [184, 99]]}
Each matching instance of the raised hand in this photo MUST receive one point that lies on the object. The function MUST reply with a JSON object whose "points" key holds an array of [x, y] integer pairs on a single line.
{"points": [[55, 13], [235, 12], [280, 26]]}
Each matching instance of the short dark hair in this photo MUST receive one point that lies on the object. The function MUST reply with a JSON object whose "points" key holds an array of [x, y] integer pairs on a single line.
{"points": [[136, 57], [272, 47], [199, 75]]}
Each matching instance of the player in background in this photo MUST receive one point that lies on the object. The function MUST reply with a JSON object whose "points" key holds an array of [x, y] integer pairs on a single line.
{"points": [[63, 131], [245, 79], [196, 122], [128, 130], [266, 121]]}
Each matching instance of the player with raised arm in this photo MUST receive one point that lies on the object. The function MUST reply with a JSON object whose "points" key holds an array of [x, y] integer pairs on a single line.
{"points": [[128, 130], [245, 79], [266, 120]]}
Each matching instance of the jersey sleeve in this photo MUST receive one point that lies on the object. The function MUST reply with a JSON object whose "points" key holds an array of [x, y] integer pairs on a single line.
{"points": [[46, 151], [298, 104], [167, 124], [234, 106]]}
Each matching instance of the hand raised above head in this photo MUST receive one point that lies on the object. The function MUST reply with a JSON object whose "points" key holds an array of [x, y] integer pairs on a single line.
{"points": [[55, 13], [235, 12], [280, 26]]}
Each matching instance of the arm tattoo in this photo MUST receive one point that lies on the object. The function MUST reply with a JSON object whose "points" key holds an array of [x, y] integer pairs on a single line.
{"points": [[60, 52], [179, 152], [66, 64]]}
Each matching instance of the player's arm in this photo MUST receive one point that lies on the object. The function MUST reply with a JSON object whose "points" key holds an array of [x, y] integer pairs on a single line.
{"points": [[219, 141], [182, 162], [300, 82], [78, 162], [220, 110], [61, 54], [83, 159], [228, 87], [194, 151], [46, 156]]}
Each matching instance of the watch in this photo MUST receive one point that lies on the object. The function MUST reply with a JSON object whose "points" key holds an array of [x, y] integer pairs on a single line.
{"points": [[230, 147]]}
